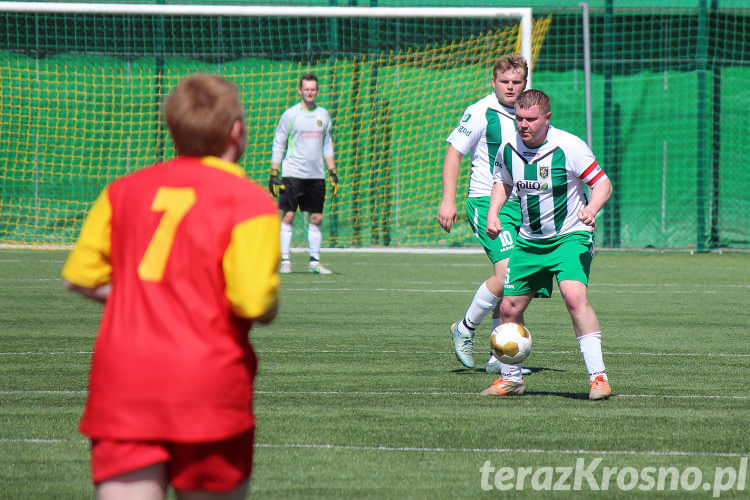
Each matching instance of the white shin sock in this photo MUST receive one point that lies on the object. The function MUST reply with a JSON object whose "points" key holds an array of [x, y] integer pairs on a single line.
{"points": [[286, 240], [591, 349]]}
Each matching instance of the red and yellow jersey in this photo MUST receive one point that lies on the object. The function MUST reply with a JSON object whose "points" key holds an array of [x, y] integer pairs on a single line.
{"points": [[191, 249]]}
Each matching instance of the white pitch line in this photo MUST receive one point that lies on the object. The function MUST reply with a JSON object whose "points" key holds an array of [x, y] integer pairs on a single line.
{"points": [[55, 261], [506, 450], [11, 392], [708, 354], [448, 393], [405, 290], [608, 353], [397, 393], [357, 351], [2, 280], [592, 289], [670, 285], [39, 440], [533, 451], [42, 353]]}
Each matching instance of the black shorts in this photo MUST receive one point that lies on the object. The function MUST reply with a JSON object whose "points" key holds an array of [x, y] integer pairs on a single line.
{"points": [[308, 195]]}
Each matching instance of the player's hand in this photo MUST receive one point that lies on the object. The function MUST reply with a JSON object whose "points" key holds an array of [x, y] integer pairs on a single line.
{"points": [[493, 226], [447, 215], [334, 182], [587, 216], [274, 183]]}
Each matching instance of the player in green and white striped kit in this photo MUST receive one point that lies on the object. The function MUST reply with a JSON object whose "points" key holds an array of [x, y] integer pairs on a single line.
{"points": [[484, 126], [303, 141], [549, 170]]}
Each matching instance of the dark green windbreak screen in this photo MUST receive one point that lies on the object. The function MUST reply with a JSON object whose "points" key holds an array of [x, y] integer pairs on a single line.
{"points": [[80, 97]]}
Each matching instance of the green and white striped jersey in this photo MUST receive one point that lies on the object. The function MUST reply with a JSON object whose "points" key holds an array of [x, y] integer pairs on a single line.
{"points": [[550, 181], [306, 137], [484, 127]]}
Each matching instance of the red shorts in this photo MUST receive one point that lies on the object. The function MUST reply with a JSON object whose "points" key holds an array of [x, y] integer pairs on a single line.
{"points": [[218, 466]]}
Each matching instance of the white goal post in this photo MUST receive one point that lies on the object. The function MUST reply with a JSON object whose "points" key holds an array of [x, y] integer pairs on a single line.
{"points": [[394, 78], [524, 14]]}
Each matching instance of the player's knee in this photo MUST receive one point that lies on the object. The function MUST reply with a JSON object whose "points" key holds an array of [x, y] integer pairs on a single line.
{"points": [[577, 304], [511, 310]]}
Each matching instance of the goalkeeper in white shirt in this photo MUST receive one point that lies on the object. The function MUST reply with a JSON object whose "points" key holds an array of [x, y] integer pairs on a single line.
{"points": [[302, 146]]}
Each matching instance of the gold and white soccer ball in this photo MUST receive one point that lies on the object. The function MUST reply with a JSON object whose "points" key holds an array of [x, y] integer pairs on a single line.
{"points": [[511, 343]]}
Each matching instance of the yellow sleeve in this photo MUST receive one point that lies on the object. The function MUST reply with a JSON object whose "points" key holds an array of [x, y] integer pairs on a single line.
{"points": [[251, 264], [88, 264]]}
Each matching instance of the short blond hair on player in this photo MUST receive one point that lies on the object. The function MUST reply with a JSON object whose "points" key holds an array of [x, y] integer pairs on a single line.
{"points": [[508, 62], [200, 112]]}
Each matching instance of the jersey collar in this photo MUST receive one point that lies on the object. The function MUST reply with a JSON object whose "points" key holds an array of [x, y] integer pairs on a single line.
{"points": [[226, 166]]}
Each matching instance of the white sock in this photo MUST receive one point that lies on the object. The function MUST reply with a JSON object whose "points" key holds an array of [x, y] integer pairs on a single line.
{"points": [[314, 237], [591, 348], [286, 240], [482, 304], [511, 372]]}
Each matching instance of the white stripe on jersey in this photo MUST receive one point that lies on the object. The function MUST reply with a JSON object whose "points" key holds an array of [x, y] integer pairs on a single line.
{"points": [[471, 135], [563, 158]]}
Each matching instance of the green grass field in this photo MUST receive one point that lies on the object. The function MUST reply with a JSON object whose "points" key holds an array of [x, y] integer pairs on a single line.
{"points": [[359, 394]]}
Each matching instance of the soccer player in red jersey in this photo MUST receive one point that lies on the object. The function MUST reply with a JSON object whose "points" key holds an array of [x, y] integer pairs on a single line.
{"points": [[185, 256]]}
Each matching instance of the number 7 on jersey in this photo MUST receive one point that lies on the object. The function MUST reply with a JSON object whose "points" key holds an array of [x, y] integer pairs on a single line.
{"points": [[175, 203]]}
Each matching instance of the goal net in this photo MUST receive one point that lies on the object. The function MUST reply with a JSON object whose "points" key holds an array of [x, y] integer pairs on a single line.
{"points": [[82, 86]]}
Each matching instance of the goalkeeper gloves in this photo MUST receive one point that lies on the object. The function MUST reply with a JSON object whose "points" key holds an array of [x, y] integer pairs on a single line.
{"points": [[334, 182], [274, 183]]}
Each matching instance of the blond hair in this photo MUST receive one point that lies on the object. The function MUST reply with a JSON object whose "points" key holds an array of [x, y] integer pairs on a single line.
{"points": [[200, 112], [509, 62]]}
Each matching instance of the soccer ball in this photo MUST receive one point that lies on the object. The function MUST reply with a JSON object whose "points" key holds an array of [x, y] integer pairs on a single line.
{"points": [[511, 343]]}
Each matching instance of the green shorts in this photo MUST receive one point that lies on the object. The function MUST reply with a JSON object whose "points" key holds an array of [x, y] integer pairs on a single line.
{"points": [[510, 217], [534, 263]]}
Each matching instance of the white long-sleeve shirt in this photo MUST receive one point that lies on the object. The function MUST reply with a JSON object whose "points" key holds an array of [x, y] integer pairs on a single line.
{"points": [[306, 137]]}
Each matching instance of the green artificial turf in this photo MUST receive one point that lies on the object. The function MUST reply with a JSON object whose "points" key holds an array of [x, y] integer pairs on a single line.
{"points": [[359, 394]]}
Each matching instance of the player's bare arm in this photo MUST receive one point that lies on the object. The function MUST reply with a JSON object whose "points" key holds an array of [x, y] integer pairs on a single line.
{"points": [[500, 194], [269, 315], [600, 194], [447, 213], [98, 294]]}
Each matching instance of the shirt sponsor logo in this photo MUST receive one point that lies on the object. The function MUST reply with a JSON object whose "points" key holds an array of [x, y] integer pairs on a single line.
{"points": [[531, 185], [463, 130]]}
